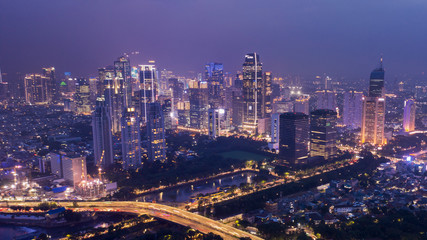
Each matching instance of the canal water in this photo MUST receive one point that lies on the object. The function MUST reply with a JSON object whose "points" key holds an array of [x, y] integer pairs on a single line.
{"points": [[183, 193]]}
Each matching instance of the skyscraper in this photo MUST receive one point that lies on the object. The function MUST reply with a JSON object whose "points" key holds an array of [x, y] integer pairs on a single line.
{"points": [[131, 139], [149, 88], [52, 86], [326, 99], [409, 111], [323, 133], [122, 71], [294, 137], [113, 97], [156, 133], [102, 138], [352, 111], [198, 96], [214, 76], [252, 92], [302, 104], [218, 122], [36, 89], [373, 117], [82, 96]]}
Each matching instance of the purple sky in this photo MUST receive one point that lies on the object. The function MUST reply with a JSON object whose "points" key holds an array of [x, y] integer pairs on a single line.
{"points": [[292, 36]]}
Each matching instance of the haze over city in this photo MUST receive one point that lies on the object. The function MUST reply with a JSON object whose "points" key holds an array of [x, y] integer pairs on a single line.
{"points": [[293, 37]]}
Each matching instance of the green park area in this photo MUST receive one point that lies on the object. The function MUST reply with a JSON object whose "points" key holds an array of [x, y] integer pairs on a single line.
{"points": [[242, 155]]}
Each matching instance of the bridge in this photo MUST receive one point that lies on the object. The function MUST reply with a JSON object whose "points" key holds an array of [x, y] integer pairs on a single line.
{"points": [[182, 217]]}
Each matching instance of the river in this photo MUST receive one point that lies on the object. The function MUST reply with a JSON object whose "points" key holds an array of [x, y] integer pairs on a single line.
{"points": [[183, 193]]}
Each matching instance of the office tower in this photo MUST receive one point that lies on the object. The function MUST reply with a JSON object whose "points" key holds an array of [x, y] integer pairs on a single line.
{"points": [[183, 110], [237, 110], [275, 127], [122, 71], [401, 86], [283, 106], [93, 84], [102, 75], [323, 133], [164, 84], [168, 111], [36, 89], [219, 122], [52, 87], [294, 137], [302, 104], [69, 166], [102, 138], [328, 83], [373, 116], [252, 92], [409, 115], [266, 95], [149, 88], [214, 76], [4, 88], [131, 139], [156, 133], [177, 88], [352, 110], [326, 99], [113, 98], [82, 96], [198, 96]]}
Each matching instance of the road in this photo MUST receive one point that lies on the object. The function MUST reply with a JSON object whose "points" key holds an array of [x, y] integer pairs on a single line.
{"points": [[182, 217]]}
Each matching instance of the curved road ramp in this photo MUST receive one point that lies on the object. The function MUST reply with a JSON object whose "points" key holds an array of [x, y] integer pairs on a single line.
{"points": [[185, 218]]}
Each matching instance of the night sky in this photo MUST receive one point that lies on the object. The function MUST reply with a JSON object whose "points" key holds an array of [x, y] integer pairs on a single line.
{"points": [[305, 37]]}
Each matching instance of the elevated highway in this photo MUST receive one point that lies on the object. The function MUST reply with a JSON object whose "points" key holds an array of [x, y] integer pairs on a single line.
{"points": [[182, 217]]}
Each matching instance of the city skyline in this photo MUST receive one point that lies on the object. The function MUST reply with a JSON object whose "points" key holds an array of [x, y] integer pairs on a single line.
{"points": [[293, 38]]}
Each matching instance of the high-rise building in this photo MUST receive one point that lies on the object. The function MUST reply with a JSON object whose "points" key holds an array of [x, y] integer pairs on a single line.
{"points": [[198, 96], [214, 76], [131, 139], [52, 86], [326, 99], [102, 137], [218, 122], [352, 111], [122, 71], [36, 89], [302, 104], [373, 116], [168, 111], [323, 133], [294, 137], [82, 96], [183, 110], [69, 166], [156, 133], [275, 127], [409, 111], [149, 88], [113, 98], [252, 92], [266, 94]]}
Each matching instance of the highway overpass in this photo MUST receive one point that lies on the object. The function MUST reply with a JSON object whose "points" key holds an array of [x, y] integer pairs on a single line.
{"points": [[182, 217]]}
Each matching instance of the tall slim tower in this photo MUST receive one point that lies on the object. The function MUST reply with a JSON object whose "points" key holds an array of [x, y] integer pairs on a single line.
{"points": [[374, 109], [214, 76], [352, 111], [323, 133], [122, 71], [252, 92], [198, 96], [149, 88], [156, 133], [409, 111], [131, 139], [102, 138], [294, 137]]}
